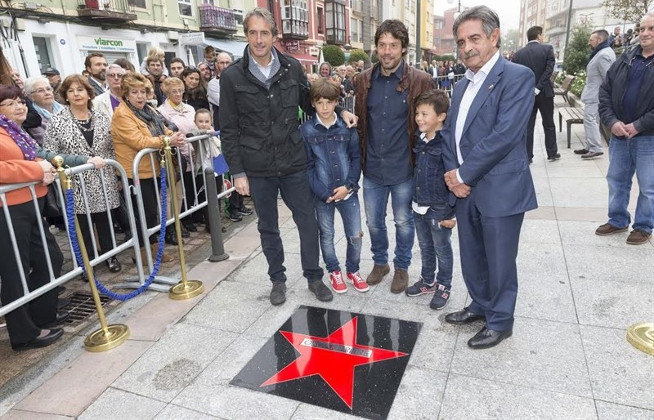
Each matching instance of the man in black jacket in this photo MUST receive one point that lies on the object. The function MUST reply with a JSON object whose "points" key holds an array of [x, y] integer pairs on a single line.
{"points": [[540, 59], [259, 98], [626, 106]]}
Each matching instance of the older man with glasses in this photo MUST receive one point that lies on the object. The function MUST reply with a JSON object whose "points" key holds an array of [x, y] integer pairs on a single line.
{"points": [[109, 100]]}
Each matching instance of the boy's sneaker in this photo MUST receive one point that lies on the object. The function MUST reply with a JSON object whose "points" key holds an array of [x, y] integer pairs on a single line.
{"points": [[441, 296], [359, 283], [244, 211], [234, 216], [338, 284], [420, 288]]}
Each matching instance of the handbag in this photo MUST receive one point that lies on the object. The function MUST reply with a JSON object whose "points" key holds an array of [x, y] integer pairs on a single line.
{"points": [[51, 207]]}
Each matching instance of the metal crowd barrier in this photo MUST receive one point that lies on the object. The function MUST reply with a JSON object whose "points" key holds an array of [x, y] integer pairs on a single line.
{"points": [[95, 256], [154, 156], [446, 83]]}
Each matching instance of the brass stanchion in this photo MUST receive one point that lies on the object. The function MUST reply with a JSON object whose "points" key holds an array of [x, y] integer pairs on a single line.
{"points": [[641, 336], [108, 336], [185, 289]]}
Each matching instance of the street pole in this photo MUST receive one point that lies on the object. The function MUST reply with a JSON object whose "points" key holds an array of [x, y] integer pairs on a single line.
{"points": [[418, 51], [567, 28]]}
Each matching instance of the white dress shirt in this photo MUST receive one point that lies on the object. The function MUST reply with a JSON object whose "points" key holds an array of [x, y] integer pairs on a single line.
{"points": [[476, 81]]}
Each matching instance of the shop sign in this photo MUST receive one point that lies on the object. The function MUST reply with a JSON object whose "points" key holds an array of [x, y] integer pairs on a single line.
{"points": [[191, 38], [102, 43], [292, 46]]}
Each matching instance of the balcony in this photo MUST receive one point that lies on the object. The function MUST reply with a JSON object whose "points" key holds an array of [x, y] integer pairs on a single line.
{"points": [[110, 11], [217, 20], [357, 7], [295, 29]]}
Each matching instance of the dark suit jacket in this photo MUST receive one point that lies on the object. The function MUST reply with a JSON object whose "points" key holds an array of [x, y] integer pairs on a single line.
{"points": [[492, 142], [540, 59]]}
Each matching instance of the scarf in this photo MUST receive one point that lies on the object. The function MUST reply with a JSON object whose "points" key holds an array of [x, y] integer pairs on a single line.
{"points": [[23, 140], [155, 121], [597, 49], [44, 113]]}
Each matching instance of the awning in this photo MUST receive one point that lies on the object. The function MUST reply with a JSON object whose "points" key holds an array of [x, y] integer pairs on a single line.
{"points": [[231, 46], [305, 58]]}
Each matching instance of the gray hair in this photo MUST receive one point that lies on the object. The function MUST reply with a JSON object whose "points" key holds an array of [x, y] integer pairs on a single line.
{"points": [[489, 20], [32, 81], [116, 66], [262, 13], [603, 34]]}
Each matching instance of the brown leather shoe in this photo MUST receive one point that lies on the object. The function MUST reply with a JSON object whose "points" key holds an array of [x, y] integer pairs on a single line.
{"points": [[165, 258], [638, 237], [400, 281], [608, 229], [377, 274]]}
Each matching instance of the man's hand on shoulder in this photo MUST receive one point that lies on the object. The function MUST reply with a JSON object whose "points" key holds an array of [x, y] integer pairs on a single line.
{"points": [[350, 119]]}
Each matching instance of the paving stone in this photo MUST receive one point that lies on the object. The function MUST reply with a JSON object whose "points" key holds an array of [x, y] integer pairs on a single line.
{"points": [[231, 307], [419, 395], [115, 403], [540, 232], [435, 346], [31, 415], [540, 354], [172, 363], [610, 411], [313, 412], [611, 305], [473, 398], [545, 296], [619, 373], [544, 259], [579, 168], [579, 192], [175, 412], [620, 265], [574, 233]]}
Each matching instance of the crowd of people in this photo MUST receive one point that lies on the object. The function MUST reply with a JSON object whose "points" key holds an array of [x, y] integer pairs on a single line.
{"points": [[442, 165]]}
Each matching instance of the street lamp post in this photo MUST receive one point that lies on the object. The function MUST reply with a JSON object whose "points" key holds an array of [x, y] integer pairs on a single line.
{"points": [[567, 27]]}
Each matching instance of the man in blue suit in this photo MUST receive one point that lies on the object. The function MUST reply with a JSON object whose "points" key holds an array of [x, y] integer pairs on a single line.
{"points": [[486, 160]]}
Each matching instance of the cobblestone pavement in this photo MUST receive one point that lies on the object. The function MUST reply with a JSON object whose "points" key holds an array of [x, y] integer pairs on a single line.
{"points": [[568, 357]]}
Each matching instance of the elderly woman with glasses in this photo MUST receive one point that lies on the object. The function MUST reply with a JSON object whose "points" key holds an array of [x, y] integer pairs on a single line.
{"points": [[182, 115], [79, 129], [38, 89], [109, 101]]}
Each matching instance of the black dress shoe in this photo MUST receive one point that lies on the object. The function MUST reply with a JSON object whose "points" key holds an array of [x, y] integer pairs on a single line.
{"points": [[554, 157], [40, 342], [113, 265], [62, 302], [190, 226], [170, 237], [487, 338], [59, 319], [464, 316], [581, 151]]}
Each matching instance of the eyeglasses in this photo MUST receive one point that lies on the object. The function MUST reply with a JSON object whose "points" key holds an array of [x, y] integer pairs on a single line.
{"points": [[116, 75], [42, 90], [14, 104]]}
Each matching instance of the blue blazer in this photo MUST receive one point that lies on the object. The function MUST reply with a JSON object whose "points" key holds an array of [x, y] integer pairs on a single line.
{"points": [[493, 143]]}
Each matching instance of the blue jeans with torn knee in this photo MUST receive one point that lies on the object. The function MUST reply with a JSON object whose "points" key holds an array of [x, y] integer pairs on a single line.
{"points": [[351, 215]]}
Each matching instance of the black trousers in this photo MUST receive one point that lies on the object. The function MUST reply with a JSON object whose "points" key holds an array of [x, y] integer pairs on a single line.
{"points": [[235, 202], [297, 195], [546, 108], [150, 207], [101, 223], [22, 323]]}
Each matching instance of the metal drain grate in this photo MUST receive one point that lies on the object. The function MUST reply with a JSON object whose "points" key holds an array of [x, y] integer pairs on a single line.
{"points": [[81, 306]]}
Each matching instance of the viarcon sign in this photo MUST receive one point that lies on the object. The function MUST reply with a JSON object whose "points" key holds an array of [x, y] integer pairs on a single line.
{"points": [[102, 43]]}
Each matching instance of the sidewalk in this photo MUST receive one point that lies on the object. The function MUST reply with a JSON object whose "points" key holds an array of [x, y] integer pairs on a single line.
{"points": [[568, 357]]}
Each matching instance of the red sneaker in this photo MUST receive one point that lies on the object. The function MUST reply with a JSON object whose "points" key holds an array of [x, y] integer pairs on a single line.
{"points": [[359, 283], [338, 284]]}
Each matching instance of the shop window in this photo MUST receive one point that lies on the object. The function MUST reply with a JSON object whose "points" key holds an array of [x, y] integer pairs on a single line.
{"points": [[137, 3], [185, 7], [43, 52]]}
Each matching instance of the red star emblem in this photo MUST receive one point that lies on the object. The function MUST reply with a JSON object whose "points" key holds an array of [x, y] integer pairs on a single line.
{"points": [[333, 358]]}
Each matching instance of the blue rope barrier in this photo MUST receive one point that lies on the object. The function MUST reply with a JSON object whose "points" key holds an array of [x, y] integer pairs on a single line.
{"points": [[78, 253]]}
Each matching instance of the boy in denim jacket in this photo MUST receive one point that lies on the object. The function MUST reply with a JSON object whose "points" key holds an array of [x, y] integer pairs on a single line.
{"points": [[432, 214], [334, 167]]}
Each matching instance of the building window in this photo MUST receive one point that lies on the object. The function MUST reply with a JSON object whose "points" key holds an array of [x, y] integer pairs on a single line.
{"points": [[295, 19], [356, 30], [335, 21], [43, 52], [137, 3], [320, 18], [185, 7]]}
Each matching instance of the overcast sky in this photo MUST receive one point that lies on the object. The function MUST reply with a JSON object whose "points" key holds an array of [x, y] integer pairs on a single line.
{"points": [[508, 10]]}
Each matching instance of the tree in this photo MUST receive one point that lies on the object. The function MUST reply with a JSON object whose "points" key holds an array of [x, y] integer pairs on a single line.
{"points": [[333, 55], [356, 55], [577, 53], [629, 11]]}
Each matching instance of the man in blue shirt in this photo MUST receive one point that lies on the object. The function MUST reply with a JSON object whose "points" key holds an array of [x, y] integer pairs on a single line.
{"points": [[626, 105], [384, 105]]}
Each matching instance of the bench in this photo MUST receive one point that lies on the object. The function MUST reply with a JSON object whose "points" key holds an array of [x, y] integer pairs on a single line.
{"points": [[572, 115], [565, 88], [575, 115], [555, 73]]}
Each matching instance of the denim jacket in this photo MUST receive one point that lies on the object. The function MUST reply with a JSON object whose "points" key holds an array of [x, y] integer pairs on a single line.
{"points": [[333, 156], [428, 176]]}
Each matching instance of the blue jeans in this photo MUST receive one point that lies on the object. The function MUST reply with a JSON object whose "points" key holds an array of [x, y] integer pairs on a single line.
{"points": [[435, 245], [295, 192], [351, 215], [625, 158], [375, 198]]}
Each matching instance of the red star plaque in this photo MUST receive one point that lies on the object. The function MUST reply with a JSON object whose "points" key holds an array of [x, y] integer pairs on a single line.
{"points": [[333, 358]]}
